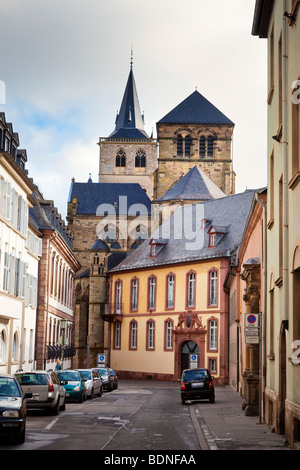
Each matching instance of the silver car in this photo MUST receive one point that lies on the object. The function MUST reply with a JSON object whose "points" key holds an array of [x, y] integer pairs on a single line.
{"points": [[47, 391], [92, 381]]}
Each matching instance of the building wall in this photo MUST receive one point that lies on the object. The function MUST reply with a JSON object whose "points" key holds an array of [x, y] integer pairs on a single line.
{"points": [[160, 362], [19, 257], [283, 376]]}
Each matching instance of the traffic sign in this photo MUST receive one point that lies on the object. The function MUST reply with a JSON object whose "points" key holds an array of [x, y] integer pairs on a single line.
{"points": [[251, 319]]}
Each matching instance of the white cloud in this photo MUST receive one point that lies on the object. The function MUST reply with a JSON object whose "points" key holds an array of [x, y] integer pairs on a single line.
{"points": [[67, 63]]}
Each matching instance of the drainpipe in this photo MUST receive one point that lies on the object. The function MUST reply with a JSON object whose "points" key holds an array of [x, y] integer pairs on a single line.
{"points": [[264, 313], [285, 167]]}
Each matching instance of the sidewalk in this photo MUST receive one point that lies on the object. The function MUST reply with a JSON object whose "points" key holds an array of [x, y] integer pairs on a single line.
{"points": [[225, 427]]}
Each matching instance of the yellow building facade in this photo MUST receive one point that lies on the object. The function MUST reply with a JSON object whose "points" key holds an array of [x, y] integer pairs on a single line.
{"points": [[163, 316]]}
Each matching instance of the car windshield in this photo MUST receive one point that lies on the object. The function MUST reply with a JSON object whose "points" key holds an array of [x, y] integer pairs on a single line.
{"points": [[194, 375], [86, 374], [69, 376], [103, 372], [8, 387], [32, 379]]}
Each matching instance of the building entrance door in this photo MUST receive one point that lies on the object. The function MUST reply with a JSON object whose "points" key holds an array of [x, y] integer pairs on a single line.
{"points": [[188, 348]]}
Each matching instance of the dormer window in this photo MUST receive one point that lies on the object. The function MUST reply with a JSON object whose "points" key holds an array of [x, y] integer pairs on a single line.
{"points": [[212, 238], [156, 246], [153, 251]]}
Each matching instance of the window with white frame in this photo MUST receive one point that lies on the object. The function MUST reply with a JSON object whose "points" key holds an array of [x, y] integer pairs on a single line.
{"points": [[117, 336], [191, 289], [134, 294], [133, 335], [118, 297], [150, 334], [213, 285], [152, 293], [169, 334], [2, 347], [213, 334], [171, 291]]}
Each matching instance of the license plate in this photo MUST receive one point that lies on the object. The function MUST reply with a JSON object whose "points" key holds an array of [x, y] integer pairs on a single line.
{"points": [[197, 385], [35, 397]]}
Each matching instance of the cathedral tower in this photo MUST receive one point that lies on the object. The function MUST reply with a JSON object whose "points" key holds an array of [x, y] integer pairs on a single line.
{"points": [[194, 133], [128, 154]]}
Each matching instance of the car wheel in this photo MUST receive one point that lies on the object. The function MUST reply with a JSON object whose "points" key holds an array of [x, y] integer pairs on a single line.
{"points": [[55, 410], [81, 399], [100, 391], [63, 406], [212, 400], [183, 401]]}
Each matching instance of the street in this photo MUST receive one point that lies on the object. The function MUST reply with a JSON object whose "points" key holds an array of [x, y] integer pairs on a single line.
{"points": [[137, 416]]}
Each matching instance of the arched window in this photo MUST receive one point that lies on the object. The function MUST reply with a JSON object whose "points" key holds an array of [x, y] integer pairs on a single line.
{"points": [[150, 344], [191, 289], [179, 146], [210, 146], [213, 335], [121, 158], [213, 288], [202, 148], [170, 291], [169, 335], [140, 159], [133, 335], [187, 146]]}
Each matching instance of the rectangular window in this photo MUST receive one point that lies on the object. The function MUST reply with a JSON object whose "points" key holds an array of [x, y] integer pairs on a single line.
{"points": [[118, 298], [191, 290], [117, 342], [152, 293], [133, 335], [134, 294], [169, 335], [6, 271], [213, 366], [171, 291], [213, 283], [213, 335], [150, 335]]}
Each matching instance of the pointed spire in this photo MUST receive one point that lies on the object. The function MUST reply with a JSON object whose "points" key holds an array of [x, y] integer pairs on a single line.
{"points": [[130, 121]]}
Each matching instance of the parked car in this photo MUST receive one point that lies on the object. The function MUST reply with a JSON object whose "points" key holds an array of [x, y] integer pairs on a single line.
{"points": [[12, 408], [73, 383], [107, 378], [47, 392], [115, 376], [93, 382], [197, 384]]}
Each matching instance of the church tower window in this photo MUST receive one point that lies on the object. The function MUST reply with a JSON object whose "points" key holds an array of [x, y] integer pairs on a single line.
{"points": [[121, 159], [202, 146], [140, 159], [179, 146], [210, 146], [187, 146]]}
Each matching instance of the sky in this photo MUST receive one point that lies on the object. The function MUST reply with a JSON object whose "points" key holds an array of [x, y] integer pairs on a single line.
{"points": [[65, 64]]}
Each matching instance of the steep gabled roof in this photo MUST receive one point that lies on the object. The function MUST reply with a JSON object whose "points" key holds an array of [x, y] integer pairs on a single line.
{"points": [[130, 122], [195, 109], [194, 186]]}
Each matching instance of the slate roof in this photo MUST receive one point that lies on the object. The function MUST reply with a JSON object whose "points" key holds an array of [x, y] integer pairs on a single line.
{"points": [[130, 122], [195, 109], [91, 195], [44, 216], [194, 186], [230, 212]]}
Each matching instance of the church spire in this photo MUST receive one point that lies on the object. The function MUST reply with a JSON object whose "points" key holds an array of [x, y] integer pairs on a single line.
{"points": [[130, 121]]}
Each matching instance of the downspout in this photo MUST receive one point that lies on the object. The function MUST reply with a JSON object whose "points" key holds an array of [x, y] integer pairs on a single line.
{"points": [[285, 168], [264, 313]]}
